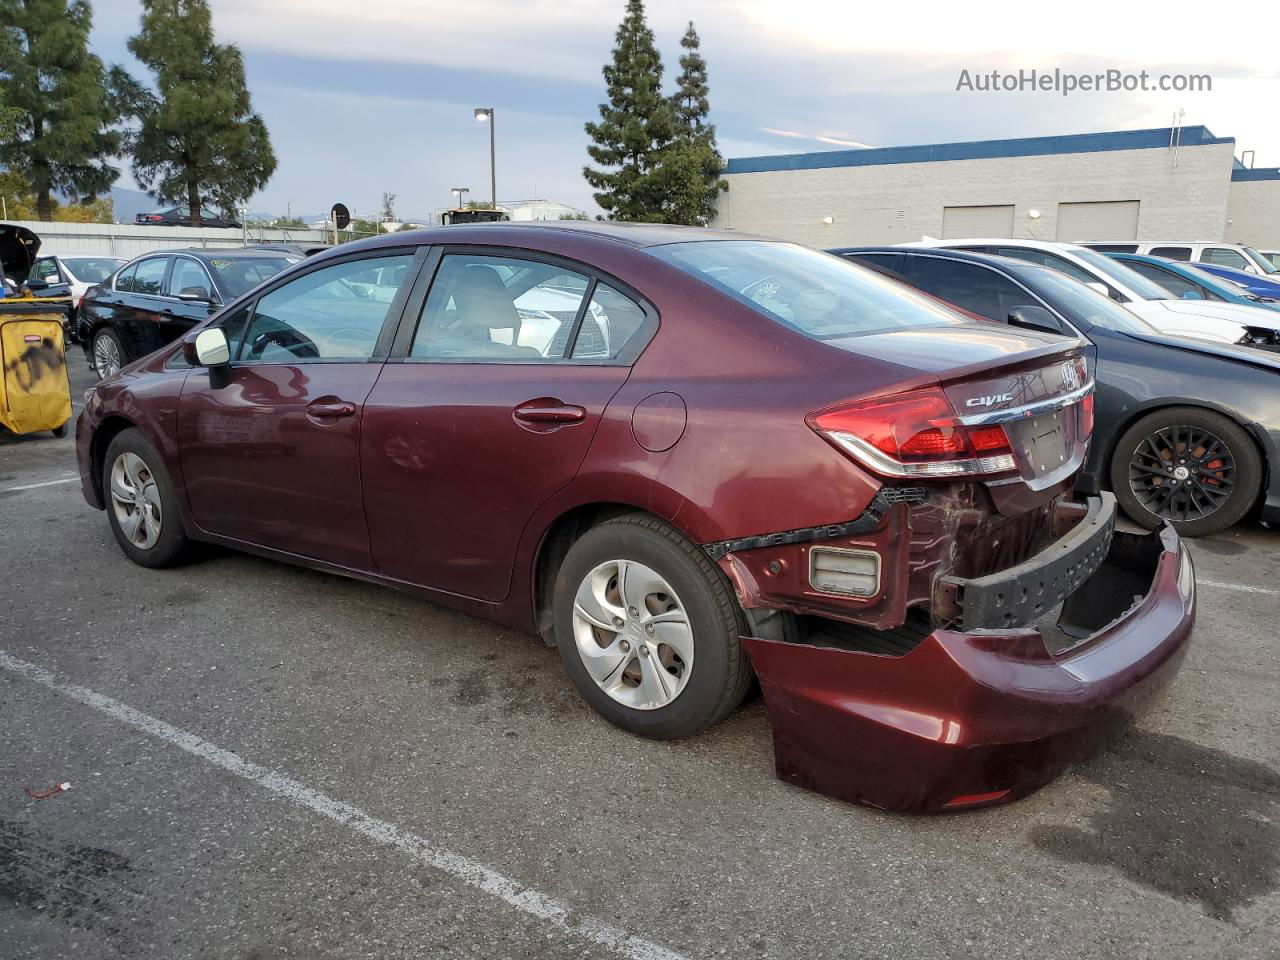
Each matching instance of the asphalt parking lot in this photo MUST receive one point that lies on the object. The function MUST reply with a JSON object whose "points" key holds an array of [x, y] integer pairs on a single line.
{"points": [[268, 762]]}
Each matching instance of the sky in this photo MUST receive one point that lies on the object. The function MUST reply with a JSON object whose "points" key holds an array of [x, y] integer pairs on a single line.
{"points": [[362, 98]]}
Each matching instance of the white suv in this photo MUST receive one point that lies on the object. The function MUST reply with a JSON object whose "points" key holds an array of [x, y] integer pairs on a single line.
{"points": [[1235, 255], [1202, 319]]}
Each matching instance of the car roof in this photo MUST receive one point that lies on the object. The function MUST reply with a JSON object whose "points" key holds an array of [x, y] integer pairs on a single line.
{"points": [[1054, 246], [505, 232], [1008, 264], [233, 253]]}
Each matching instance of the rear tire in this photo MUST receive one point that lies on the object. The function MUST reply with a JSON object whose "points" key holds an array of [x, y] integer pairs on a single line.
{"points": [[108, 353], [142, 506], [60, 431], [658, 623], [1194, 468]]}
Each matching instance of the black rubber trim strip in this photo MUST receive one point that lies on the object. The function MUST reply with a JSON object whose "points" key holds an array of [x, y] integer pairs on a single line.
{"points": [[1021, 594], [868, 521]]}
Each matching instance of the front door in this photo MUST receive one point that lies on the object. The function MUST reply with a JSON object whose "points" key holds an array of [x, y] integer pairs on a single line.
{"points": [[270, 447], [490, 413]]}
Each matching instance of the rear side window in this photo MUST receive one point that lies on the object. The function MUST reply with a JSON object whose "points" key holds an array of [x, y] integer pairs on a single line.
{"points": [[1224, 257], [149, 278], [1172, 253], [890, 264], [611, 320], [335, 313], [822, 296], [502, 310], [124, 282], [1113, 247]]}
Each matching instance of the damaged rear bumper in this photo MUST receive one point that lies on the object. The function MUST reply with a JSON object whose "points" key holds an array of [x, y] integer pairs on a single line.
{"points": [[971, 717]]}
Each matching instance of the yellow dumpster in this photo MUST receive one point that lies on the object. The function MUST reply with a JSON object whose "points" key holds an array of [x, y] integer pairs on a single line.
{"points": [[35, 393]]}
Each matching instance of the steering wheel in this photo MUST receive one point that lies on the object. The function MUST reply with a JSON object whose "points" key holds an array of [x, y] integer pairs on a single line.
{"points": [[287, 339], [357, 334]]}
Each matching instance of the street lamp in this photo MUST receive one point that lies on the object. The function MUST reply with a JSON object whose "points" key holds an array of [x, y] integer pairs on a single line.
{"points": [[485, 114], [460, 191]]}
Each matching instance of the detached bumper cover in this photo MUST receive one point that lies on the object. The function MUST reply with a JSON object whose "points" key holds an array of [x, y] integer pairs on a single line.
{"points": [[987, 716]]}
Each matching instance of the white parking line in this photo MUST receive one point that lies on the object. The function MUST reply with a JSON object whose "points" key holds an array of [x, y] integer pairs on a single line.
{"points": [[1243, 588], [461, 868], [47, 483]]}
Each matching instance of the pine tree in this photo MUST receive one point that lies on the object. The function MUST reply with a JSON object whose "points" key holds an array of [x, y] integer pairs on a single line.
{"points": [[199, 143], [635, 127], [692, 164], [57, 96]]}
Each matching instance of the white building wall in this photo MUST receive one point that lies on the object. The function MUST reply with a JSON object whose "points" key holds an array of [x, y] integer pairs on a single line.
{"points": [[127, 240], [894, 203], [1253, 213]]}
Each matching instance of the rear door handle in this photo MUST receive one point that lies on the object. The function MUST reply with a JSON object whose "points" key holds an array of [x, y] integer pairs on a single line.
{"points": [[550, 411], [331, 410]]}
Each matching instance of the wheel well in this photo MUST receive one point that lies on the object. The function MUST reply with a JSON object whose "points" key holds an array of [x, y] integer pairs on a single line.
{"points": [[557, 540], [1104, 472], [107, 431]]}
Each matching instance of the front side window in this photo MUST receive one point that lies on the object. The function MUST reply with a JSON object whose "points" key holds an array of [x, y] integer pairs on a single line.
{"points": [[46, 270], [1261, 261], [1119, 273], [502, 309], [971, 287], [149, 278], [1051, 260], [335, 313], [91, 269], [817, 294], [1224, 257], [188, 278], [1178, 286]]}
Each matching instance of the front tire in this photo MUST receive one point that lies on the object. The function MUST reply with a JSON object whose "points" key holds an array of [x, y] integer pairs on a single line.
{"points": [[142, 507], [647, 629], [1194, 468]]}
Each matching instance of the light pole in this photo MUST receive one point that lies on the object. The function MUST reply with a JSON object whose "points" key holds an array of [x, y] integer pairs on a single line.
{"points": [[460, 191], [484, 114]]}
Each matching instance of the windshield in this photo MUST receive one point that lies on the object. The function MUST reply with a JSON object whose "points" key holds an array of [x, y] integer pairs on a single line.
{"points": [[820, 295], [1264, 263], [239, 275], [92, 269], [1114, 270], [1087, 306]]}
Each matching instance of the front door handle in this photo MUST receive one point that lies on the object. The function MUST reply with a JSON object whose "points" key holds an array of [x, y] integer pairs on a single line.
{"points": [[550, 410], [331, 410]]}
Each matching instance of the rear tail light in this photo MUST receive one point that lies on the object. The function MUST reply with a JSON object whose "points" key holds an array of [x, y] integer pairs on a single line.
{"points": [[1086, 416], [915, 434]]}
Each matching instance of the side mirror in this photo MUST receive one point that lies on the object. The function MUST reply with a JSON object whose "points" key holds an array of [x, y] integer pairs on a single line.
{"points": [[1034, 317], [34, 285], [211, 348], [195, 295]]}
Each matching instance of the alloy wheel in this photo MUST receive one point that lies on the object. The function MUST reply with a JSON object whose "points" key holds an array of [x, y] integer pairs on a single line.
{"points": [[1182, 473], [106, 356], [633, 634], [135, 500]]}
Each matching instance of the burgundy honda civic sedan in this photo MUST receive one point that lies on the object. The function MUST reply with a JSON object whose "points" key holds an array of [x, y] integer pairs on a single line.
{"points": [[686, 458]]}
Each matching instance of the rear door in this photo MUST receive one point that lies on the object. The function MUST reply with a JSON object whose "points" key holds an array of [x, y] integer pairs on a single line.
{"points": [[271, 448], [487, 408], [139, 312]]}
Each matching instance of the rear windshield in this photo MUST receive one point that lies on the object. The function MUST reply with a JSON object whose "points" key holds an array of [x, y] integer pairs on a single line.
{"points": [[92, 269], [822, 296], [238, 275]]}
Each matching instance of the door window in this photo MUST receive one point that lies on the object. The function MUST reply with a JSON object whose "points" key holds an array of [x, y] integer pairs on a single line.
{"points": [[1180, 287], [1224, 257], [189, 277], [969, 286], [1172, 253], [46, 270], [506, 310], [149, 278], [335, 313], [124, 282], [1050, 260], [611, 320]]}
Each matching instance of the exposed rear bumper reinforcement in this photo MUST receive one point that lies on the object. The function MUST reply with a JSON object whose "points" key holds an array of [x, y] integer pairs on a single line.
{"points": [[1023, 593], [971, 718]]}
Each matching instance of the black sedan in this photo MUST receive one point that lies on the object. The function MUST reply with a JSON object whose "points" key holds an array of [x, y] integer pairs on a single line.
{"points": [[1186, 430], [181, 217], [158, 297]]}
